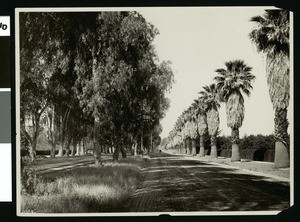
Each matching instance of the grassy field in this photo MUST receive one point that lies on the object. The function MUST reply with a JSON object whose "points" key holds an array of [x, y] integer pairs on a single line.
{"points": [[85, 189]]}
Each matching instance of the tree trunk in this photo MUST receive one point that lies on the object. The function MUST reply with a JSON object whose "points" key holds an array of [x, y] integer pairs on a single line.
{"points": [[151, 142], [81, 149], [202, 150], [116, 152], [182, 148], [193, 147], [36, 130], [32, 152], [282, 145], [67, 148], [78, 149], [84, 146], [185, 146], [235, 152], [190, 146], [96, 148], [74, 144], [142, 144], [52, 150], [32, 149], [135, 148], [282, 157], [27, 136], [61, 136], [60, 150], [123, 152], [213, 151], [51, 131]]}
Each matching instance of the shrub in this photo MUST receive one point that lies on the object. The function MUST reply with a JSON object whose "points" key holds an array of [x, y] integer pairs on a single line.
{"points": [[258, 142], [269, 155], [225, 153], [28, 175], [248, 142], [259, 147], [223, 142]]}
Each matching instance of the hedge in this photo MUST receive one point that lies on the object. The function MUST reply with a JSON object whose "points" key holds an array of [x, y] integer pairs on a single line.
{"points": [[251, 154]]}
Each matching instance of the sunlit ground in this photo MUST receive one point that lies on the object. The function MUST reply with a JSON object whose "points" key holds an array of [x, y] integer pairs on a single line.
{"points": [[84, 189]]}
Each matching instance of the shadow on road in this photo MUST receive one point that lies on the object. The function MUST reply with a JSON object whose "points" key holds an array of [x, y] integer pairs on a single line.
{"points": [[171, 183]]}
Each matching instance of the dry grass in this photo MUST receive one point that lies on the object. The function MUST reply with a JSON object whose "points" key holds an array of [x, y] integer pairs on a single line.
{"points": [[85, 189]]}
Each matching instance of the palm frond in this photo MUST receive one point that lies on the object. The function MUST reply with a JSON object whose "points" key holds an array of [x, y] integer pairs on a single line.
{"points": [[271, 34], [258, 19]]}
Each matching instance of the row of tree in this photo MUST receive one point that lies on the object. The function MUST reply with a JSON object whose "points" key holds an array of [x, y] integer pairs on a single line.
{"points": [[271, 36], [92, 76]]}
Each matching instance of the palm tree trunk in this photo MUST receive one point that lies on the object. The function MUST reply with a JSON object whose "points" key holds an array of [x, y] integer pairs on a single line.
{"points": [[235, 152], [213, 151], [282, 158], [202, 150]]}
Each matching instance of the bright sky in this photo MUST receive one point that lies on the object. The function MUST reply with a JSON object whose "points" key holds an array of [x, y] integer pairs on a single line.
{"points": [[200, 40]]}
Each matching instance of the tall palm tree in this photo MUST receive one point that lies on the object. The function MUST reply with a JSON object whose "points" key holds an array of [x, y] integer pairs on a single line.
{"points": [[194, 126], [231, 83], [181, 126], [201, 123], [211, 98], [179, 129], [271, 36], [188, 129]]}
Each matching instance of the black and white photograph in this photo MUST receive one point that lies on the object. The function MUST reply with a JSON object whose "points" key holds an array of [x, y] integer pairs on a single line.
{"points": [[154, 110]]}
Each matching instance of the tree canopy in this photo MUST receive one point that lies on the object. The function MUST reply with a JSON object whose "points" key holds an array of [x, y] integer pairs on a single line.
{"points": [[98, 68]]}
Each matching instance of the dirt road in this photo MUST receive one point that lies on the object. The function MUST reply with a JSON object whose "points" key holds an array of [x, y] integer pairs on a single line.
{"points": [[172, 183]]}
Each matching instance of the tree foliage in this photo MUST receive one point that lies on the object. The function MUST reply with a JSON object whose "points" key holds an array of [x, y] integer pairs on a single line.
{"points": [[94, 70]]}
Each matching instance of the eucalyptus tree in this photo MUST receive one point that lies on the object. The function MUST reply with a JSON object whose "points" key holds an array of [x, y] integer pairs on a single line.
{"points": [[41, 54], [95, 60], [210, 97], [271, 36], [119, 79], [150, 79], [232, 82]]}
